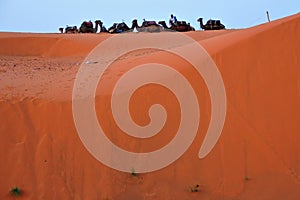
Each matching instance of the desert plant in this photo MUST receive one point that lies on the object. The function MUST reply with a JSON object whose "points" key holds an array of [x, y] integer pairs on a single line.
{"points": [[133, 173], [194, 188], [16, 191]]}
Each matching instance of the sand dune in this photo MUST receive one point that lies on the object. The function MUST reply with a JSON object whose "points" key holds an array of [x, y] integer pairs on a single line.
{"points": [[256, 157]]}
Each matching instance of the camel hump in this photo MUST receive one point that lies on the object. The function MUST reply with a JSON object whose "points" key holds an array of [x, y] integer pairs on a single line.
{"points": [[71, 27], [213, 22], [181, 23], [149, 23], [88, 24], [121, 25]]}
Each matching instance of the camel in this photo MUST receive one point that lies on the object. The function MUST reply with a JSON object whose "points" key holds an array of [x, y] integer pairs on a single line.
{"points": [[119, 28], [69, 29], [180, 26], [147, 26], [211, 24], [102, 28], [87, 27]]}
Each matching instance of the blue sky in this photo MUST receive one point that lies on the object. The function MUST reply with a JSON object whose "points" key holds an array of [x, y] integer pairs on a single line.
{"points": [[49, 15]]}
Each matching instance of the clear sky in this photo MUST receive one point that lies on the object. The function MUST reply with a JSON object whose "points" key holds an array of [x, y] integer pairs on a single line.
{"points": [[49, 15]]}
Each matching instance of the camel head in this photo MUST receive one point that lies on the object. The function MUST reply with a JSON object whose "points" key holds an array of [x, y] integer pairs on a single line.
{"points": [[134, 21], [163, 23], [99, 22], [61, 30], [134, 24], [199, 19]]}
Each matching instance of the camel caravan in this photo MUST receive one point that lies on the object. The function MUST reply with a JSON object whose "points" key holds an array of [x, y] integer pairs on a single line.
{"points": [[147, 26]]}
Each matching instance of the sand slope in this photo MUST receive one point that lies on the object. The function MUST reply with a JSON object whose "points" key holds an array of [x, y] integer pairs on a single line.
{"points": [[257, 156]]}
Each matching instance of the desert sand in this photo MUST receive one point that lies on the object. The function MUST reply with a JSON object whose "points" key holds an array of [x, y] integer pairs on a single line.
{"points": [[256, 157]]}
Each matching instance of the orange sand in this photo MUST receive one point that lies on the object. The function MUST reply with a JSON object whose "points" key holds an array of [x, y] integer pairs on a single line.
{"points": [[257, 156]]}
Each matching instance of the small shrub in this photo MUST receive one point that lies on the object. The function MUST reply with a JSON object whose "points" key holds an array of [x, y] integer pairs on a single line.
{"points": [[195, 188], [133, 173], [16, 191]]}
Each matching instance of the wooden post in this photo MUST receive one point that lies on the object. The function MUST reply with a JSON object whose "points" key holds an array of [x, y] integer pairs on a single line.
{"points": [[268, 16]]}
